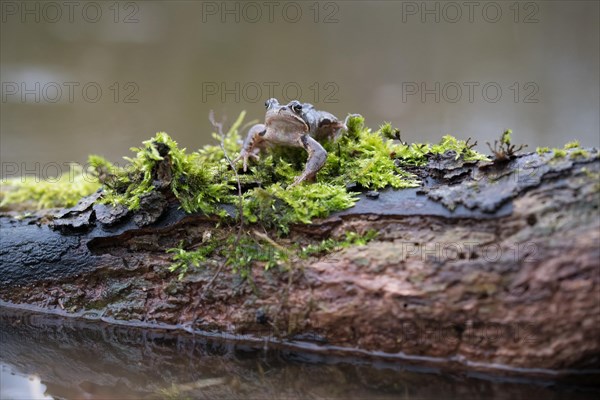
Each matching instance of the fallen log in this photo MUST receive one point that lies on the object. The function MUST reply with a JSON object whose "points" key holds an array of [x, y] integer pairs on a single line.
{"points": [[492, 266]]}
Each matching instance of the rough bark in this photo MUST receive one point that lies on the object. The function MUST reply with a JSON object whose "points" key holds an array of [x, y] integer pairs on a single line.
{"points": [[487, 266]]}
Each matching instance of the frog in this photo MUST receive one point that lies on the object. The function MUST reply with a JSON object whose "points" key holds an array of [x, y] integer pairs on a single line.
{"points": [[294, 124]]}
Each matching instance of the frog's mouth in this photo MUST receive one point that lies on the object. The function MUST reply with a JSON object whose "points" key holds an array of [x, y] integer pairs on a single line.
{"points": [[286, 114]]}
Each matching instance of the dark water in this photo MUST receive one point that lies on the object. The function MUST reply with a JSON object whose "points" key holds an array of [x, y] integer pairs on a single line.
{"points": [[44, 356], [110, 74]]}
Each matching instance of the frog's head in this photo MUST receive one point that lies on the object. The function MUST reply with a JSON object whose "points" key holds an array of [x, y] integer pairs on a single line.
{"points": [[289, 115]]}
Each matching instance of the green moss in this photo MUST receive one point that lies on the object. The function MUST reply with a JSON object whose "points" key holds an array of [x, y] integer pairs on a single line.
{"points": [[366, 158], [417, 154], [241, 253], [387, 131], [559, 153], [63, 191], [462, 148], [572, 145], [330, 244], [506, 137], [184, 259], [276, 207], [191, 178], [504, 150], [579, 153], [542, 150]]}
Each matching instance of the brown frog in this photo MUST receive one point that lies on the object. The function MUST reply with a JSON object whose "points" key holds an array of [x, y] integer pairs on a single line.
{"points": [[297, 125]]}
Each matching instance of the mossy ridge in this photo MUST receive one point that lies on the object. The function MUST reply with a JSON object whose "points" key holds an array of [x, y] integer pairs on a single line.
{"points": [[202, 180]]}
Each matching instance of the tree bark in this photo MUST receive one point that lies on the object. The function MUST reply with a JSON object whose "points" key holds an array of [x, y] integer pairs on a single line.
{"points": [[488, 266]]}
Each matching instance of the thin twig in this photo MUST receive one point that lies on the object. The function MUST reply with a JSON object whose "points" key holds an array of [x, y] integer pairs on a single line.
{"points": [[219, 127], [267, 239]]}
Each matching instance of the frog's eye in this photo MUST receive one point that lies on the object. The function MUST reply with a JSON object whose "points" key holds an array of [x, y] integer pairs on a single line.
{"points": [[297, 107], [271, 103]]}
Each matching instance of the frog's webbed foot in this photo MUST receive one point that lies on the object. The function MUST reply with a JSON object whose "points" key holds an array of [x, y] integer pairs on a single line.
{"points": [[245, 156], [316, 159], [252, 145]]}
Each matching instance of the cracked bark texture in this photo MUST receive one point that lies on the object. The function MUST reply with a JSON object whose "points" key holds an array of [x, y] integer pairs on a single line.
{"points": [[488, 266]]}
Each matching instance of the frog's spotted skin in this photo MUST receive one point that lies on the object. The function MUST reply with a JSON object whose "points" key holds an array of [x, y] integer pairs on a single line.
{"points": [[296, 125]]}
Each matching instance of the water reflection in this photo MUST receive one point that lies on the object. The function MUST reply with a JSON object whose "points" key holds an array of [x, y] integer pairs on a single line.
{"points": [[92, 360], [18, 386]]}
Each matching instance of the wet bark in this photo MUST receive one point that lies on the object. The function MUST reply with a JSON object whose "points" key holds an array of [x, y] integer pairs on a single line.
{"points": [[487, 266]]}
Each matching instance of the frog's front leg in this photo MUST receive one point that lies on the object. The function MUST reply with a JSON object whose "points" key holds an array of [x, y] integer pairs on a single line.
{"points": [[252, 145], [316, 159]]}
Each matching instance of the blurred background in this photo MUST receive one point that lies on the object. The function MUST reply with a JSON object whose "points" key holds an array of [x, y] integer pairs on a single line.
{"points": [[100, 77]]}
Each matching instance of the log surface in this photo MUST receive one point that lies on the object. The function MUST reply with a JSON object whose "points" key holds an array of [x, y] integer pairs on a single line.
{"points": [[493, 266]]}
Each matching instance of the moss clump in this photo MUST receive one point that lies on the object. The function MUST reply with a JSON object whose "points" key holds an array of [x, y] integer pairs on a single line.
{"points": [[506, 137], [462, 148], [213, 154], [366, 158], [579, 153], [276, 207], [389, 132], [374, 161], [559, 153], [572, 145], [161, 164], [418, 154], [572, 149], [328, 245], [184, 259], [63, 191], [542, 150], [238, 253]]}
